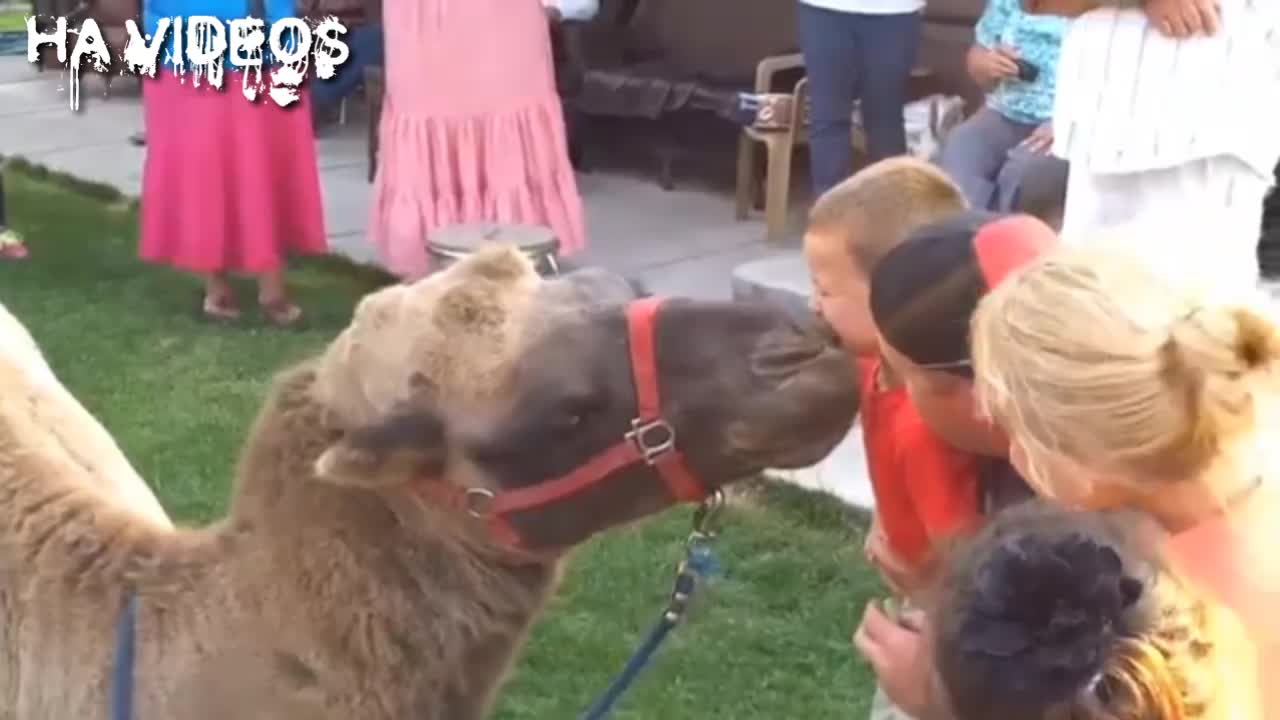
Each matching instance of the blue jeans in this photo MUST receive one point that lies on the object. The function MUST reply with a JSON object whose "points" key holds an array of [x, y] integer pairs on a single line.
{"points": [[851, 56], [366, 47]]}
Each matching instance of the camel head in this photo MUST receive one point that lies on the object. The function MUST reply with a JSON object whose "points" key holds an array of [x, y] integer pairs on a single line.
{"points": [[543, 411]]}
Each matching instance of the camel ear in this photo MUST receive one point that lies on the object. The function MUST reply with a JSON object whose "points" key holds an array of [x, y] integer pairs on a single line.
{"points": [[404, 447]]}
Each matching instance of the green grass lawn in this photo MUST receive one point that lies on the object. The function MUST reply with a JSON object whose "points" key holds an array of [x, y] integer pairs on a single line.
{"points": [[13, 20], [770, 639]]}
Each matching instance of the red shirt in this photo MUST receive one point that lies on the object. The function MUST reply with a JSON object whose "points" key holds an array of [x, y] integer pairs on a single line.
{"points": [[925, 490]]}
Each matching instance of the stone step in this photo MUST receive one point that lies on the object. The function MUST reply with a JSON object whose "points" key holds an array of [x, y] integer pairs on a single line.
{"points": [[784, 280]]}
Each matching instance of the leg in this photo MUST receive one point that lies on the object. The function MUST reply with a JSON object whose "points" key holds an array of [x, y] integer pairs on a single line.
{"points": [[830, 57], [975, 151], [744, 188], [886, 53], [219, 298], [273, 298], [778, 185], [1032, 183]]}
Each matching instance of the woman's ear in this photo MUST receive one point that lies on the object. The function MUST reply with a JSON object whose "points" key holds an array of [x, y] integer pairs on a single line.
{"points": [[406, 446]]}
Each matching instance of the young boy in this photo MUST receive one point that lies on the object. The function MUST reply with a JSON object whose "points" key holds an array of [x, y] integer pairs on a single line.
{"points": [[924, 489], [851, 227], [922, 297]]}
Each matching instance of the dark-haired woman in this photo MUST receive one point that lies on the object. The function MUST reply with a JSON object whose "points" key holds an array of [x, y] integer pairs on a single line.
{"points": [[1050, 613]]}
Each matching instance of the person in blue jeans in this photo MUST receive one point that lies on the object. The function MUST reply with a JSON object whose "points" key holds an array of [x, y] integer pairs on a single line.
{"points": [[1000, 156], [856, 50], [365, 43]]}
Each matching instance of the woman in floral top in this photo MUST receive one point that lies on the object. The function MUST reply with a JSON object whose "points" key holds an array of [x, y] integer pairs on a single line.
{"points": [[999, 156]]}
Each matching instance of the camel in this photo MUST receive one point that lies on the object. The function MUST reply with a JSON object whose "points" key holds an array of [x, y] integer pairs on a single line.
{"points": [[405, 500]]}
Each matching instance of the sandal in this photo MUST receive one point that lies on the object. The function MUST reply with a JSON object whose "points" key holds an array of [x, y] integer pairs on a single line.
{"points": [[220, 308], [282, 313], [11, 246]]}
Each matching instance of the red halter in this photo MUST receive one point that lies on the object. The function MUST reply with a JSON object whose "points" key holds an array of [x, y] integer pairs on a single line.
{"points": [[651, 440]]}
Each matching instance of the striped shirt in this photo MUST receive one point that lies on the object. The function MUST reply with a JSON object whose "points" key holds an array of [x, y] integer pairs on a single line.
{"points": [[1130, 99]]}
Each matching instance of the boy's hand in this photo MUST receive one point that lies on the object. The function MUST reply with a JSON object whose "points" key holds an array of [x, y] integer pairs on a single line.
{"points": [[899, 656], [1184, 18], [988, 67]]}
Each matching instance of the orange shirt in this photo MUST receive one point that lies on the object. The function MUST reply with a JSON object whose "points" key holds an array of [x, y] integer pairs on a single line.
{"points": [[1233, 558], [924, 489]]}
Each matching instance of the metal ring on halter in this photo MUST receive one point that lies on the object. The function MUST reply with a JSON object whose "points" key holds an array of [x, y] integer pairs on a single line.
{"points": [[478, 502], [653, 438]]}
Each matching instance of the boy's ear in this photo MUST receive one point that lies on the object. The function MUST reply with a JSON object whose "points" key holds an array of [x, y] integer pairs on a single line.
{"points": [[405, 447]]}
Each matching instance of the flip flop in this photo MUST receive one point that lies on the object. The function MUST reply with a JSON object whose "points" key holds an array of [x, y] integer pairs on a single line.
{"points": [[282, 314], [12, 247], [220, 309]]}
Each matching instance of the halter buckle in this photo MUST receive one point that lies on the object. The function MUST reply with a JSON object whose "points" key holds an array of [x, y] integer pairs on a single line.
{"points": [[653, 438], [478, 502]]}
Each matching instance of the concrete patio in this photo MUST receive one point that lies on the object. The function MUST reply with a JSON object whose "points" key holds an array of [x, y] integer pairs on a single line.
{"points": [[684, 242]]}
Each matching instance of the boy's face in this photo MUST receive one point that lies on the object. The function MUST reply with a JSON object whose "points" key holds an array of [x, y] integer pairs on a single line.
{"points": [[841, 292], [948, 405]]}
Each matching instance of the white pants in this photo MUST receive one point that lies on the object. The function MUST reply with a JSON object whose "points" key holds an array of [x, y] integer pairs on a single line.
{"points": [[1200, 221]]}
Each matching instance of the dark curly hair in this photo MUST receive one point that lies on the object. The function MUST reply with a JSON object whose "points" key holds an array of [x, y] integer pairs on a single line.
{"points": [[1051, 614]]}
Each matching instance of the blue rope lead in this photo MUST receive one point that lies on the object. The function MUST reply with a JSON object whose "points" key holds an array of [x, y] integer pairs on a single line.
{"points": [[699, 564], [122, 673]]}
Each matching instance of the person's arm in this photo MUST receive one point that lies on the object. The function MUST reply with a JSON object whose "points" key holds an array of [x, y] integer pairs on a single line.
{"points": [[578, 10], [986, 63]]}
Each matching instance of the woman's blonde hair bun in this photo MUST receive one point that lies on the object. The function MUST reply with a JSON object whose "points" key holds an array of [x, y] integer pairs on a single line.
{"points": [[1220, 358]]}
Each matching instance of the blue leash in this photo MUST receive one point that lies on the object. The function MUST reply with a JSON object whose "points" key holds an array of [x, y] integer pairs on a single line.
{"points": [[126, 650], [699, 564]]}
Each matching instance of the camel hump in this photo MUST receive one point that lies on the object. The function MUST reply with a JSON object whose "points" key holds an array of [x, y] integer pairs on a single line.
{"points": [[56, 412]]}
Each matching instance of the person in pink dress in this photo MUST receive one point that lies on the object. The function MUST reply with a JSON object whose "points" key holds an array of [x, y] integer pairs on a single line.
{"points": [[472, 128], [229, 186]]}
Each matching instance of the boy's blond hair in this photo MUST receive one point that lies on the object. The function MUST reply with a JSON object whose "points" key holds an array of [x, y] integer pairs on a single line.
{"points": [[878, 207], [1090, 355]]}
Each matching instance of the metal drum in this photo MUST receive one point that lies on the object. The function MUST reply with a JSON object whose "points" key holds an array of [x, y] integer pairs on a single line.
{"points": [[448, 245]]}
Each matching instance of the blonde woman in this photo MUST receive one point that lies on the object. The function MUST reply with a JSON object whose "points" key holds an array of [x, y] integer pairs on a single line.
{"points": [[1119, 389]]}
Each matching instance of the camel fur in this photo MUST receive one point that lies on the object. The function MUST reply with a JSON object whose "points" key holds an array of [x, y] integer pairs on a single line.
{"points": [[72, 427], [335, 589]]}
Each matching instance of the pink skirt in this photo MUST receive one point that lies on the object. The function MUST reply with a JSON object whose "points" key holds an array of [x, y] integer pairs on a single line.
{"points": [[471, 130], [229, 185]]}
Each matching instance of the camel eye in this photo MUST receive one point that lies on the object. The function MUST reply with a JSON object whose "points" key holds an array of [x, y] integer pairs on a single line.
{"points": [[576, 411]]}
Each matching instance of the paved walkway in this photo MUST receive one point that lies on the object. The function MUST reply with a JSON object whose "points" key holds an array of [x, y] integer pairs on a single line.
{"points": [[685, 242]]}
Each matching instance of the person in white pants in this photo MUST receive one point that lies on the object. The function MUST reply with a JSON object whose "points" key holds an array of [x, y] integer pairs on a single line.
{"points": [[1172, 140]]}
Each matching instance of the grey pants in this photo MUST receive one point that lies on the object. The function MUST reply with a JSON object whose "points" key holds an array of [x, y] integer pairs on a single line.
{"points": [[982, 156]]}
